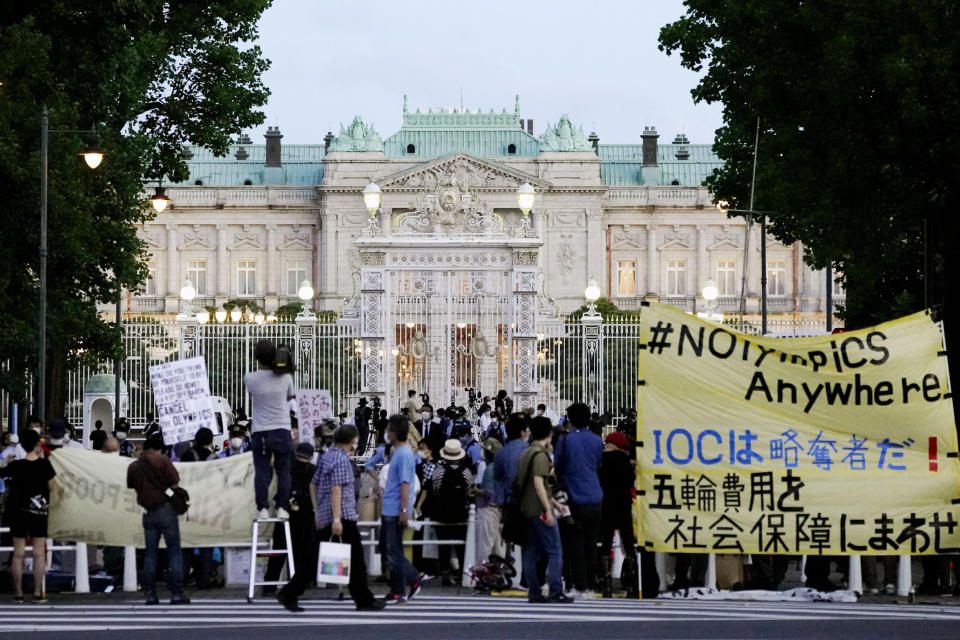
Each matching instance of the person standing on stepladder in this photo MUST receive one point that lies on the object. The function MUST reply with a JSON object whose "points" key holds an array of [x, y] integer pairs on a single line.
{"points": [[270, 388]]}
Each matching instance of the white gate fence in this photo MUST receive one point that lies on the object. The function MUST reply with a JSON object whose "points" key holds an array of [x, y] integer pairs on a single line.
{"points": [[575, 361]]}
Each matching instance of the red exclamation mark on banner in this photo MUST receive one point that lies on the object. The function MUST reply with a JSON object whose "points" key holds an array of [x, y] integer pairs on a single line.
{"points": [[933, 453]]}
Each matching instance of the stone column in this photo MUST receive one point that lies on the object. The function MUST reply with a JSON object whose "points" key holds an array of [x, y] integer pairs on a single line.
{"points": [[172, 297], [523, 337], [653, 273], [271, 270], [317, 277], [596, 249], [223, 265], [703, 262]]}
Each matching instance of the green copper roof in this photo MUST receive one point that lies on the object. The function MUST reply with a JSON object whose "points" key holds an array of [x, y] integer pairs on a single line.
{"points": [[438, 132], [302, 165], [621, 164]]}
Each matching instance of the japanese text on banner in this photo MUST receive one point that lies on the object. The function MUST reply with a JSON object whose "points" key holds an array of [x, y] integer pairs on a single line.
{"points": [[841, 444]]}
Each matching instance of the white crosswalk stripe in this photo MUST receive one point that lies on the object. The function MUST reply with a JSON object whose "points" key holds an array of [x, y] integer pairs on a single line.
{"points": [[134, 615]]}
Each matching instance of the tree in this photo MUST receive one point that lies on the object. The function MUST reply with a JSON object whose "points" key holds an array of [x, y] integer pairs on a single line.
{"points": [[149, 76], [859, 150]]}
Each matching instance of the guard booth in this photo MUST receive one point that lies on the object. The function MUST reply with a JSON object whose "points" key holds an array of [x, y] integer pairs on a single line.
{"points": [[98, 403]]}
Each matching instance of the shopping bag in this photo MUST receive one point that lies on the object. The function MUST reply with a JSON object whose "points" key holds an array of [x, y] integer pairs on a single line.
{"points": [[333, 566]]}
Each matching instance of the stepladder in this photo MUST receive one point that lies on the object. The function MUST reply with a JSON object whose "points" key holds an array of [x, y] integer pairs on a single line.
{"points": [[261, 547]]}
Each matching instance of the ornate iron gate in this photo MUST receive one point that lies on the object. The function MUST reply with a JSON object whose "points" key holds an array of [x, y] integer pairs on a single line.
{"points": [[448, 333]]}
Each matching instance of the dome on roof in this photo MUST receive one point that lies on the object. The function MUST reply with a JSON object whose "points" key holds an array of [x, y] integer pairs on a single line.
{"points": [[102, 384]]}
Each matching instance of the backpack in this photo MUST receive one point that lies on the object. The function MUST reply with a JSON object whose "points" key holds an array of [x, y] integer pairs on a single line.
{"points": [[284, 362], [450, 500]]}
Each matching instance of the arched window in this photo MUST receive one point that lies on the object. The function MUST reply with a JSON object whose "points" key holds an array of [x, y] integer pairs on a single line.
{"points": [[411, 148], [248, 182], [511, 148], [675, 183], [198, 183]]}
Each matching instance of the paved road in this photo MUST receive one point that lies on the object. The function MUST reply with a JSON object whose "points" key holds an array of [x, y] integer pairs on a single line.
{"points": [[471, 617]]}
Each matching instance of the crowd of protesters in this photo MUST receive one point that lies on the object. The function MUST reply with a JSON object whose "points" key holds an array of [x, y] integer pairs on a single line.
{"points": [[418, 472]]}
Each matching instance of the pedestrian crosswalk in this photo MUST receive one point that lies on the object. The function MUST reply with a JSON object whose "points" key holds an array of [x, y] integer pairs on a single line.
{"points": [[60, 615]]}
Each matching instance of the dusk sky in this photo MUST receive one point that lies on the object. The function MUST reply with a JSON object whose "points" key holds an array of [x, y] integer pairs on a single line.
{"points": [[596, 62]]}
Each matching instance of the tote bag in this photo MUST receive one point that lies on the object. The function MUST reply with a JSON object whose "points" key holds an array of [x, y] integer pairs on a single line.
{"points": [[333, 566]]}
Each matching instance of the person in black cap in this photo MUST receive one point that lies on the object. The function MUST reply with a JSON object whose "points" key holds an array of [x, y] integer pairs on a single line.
{"points": [[361, 420]]}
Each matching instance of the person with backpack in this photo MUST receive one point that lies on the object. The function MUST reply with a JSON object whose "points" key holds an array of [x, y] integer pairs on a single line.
{"points": [[535, 483], [270, 388], [451, 487]]}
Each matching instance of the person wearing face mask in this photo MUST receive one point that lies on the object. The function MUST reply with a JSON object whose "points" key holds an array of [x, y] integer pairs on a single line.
{"points": [[111, 445], [335, 508], [425, 423], [120, 433], [237, 445]]}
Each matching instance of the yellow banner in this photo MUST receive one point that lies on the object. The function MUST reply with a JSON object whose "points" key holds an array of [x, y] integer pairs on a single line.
{"points": [[841, 444], [91, 503]]}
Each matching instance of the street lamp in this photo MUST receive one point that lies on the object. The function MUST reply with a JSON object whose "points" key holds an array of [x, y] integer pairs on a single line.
{"points": [[525, 197], [221, 315], [591, 294], [203, 317], [371, 198], [93, 156], [236, 315], [159, 200], [710, 292], [187, 294], [306, 295]]}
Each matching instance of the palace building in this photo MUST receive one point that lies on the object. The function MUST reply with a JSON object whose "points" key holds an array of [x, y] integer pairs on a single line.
{"points": [[448, 270]]}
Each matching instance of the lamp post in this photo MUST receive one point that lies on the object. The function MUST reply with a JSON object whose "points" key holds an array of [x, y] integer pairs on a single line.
{"points": [[526, 196], [371, 200], [92, 156], [159, 199], [187, 294], [592, 352], [710, 293]]}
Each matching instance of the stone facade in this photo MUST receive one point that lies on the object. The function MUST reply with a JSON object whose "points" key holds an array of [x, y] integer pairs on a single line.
{"points": [[240, 229]]}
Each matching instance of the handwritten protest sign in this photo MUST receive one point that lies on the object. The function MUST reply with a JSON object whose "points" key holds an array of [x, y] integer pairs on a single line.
{"points": [[313, 407], [182, 395], [840, 444], [90, 501]]}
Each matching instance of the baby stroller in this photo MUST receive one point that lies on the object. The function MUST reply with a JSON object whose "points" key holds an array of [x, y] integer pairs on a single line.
{"points": [[493, 575]]}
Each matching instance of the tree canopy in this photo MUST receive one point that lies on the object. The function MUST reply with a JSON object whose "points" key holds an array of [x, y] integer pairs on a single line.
{"points": [[149, 76], [858, 102]]}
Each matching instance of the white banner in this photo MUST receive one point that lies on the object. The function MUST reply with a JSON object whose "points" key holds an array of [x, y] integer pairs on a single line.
{"points": [[182, 395], [90, 501]]}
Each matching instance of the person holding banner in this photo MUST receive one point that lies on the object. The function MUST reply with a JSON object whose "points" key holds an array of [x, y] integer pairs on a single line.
{"points": [[272, 445]]}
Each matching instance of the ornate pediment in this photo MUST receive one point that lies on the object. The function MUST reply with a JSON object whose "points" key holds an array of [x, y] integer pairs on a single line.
{"points": [[153, 239], [469, 172], [628, 237], [297, 238], [676, 240], [727, 240], [247, 239], [196, 238]]}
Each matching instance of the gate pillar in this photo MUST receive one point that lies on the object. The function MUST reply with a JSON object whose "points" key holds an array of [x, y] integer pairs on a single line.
{"points": [[373, 324], [523, 332]]}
